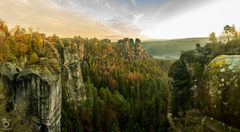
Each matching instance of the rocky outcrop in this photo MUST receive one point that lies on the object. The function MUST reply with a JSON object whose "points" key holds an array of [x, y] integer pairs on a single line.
{"points": [[186, 75], [220, 89], [39, 87], [132, 50], [39, 91], [204, 80], [72, 80]]}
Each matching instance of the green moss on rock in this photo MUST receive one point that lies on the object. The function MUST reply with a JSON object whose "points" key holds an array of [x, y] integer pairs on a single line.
{"points": [[220, 89]]}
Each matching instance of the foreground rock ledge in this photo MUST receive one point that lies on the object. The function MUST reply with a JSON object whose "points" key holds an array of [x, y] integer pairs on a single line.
{"points": [[37, 90], [220, 89]]}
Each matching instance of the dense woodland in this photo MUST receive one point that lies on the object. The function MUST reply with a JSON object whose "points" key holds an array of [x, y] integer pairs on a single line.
{"points": [[126, 88]]}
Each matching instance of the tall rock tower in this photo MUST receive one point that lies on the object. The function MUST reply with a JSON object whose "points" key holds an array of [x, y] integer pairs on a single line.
{"points": [[72, 80]]}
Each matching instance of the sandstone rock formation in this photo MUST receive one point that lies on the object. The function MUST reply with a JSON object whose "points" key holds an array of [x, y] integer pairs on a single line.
{"points": [[72, 79], [39, 90], [210, 84], [220, 89], [132, 50], [39, 87]]}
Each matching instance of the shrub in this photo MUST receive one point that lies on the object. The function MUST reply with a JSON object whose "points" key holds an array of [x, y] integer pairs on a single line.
{"points": [[33, 58], [190, 122], [10, 58]]}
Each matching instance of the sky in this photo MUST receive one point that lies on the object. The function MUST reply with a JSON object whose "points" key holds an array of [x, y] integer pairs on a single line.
{"points": [[115, 19]]}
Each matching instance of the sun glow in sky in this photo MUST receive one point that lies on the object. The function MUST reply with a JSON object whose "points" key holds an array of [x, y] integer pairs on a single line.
{"points": [[114, 19]]}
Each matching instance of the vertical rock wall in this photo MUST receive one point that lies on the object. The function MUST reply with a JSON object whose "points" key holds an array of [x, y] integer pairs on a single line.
{"points": [[39, 89]]}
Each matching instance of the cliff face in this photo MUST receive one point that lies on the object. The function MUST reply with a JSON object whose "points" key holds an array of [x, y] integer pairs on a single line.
{"points": [[38, 88]]}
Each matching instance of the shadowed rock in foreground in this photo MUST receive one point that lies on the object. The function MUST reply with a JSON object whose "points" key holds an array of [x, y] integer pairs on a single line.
{"points": [[39, 91], [38, 88]]}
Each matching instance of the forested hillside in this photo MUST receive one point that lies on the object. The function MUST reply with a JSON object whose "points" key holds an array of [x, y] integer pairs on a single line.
{"points": [[126, 89], [86, 84]]}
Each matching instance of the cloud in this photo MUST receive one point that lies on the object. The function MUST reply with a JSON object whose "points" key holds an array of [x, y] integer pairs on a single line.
{"points": [[95, 18], [175, 7], [199, 22], [122, 27], [114, 14], [51, 18], [163, 10], [133, 2]]}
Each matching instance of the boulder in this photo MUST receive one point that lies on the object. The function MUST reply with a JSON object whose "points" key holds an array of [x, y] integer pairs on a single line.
{"points": [[220, 89]]}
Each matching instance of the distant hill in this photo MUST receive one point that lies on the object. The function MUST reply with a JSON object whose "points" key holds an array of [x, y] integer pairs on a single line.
{"points": [[171, 49]]}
